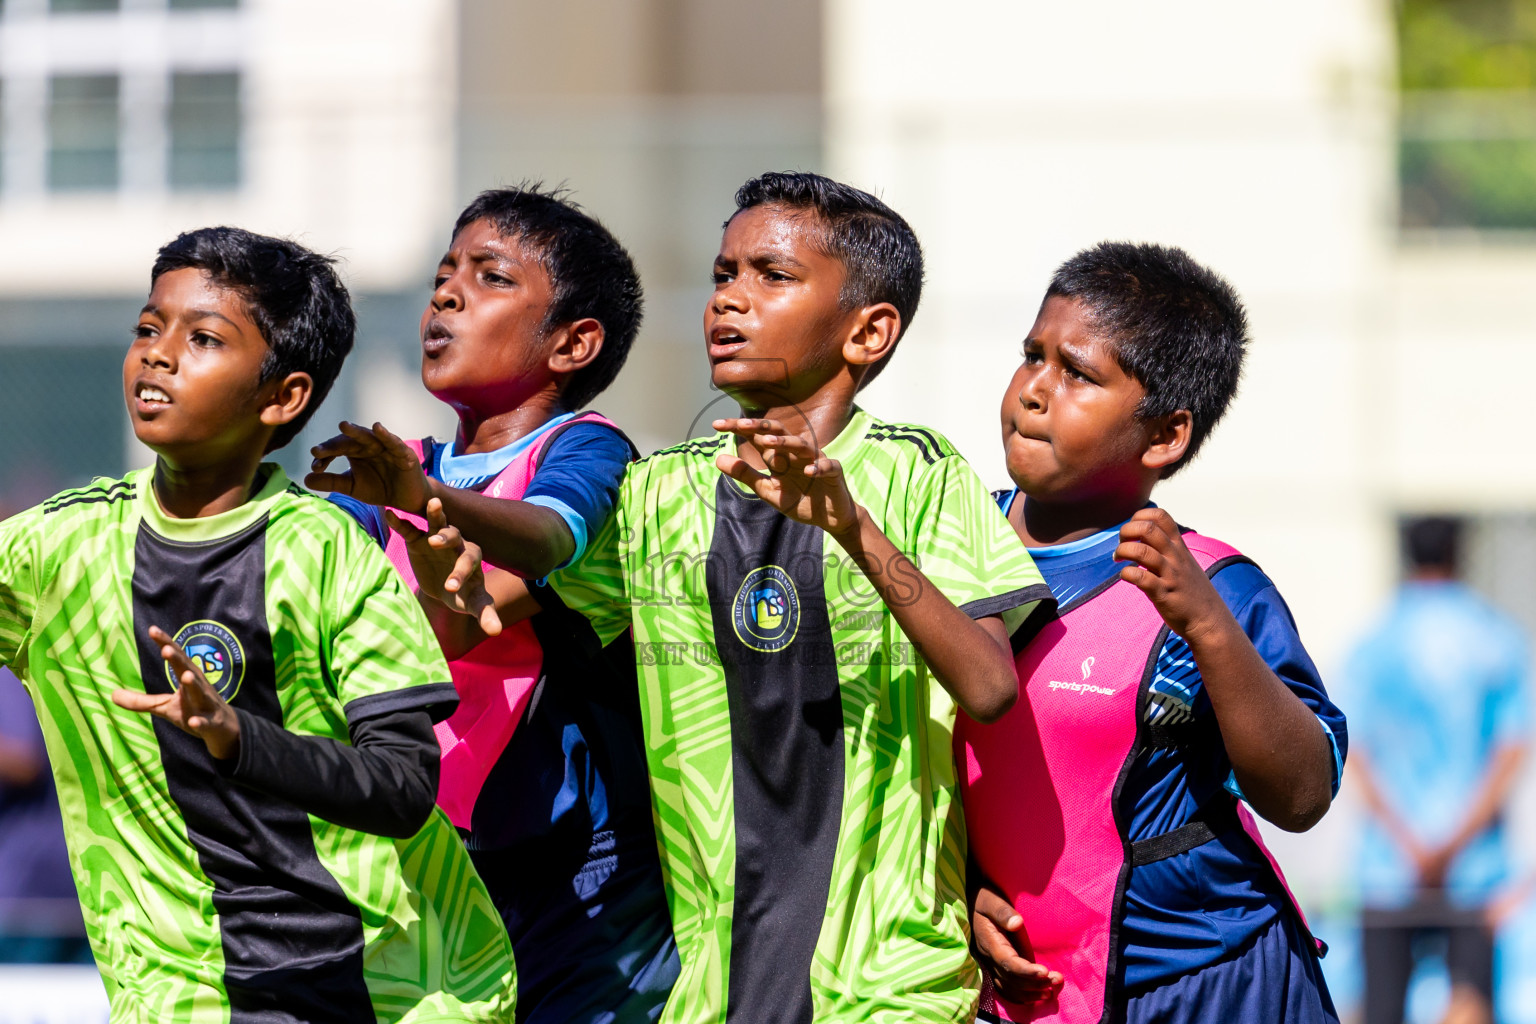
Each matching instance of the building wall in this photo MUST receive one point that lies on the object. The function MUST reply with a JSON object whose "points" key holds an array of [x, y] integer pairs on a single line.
{"points": [[1254, 137], [652, 113], [1385, 375], [346, 136]]}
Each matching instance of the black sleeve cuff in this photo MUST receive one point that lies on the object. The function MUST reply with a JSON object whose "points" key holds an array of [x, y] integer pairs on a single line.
{"points": [[231, 767], [438, 700], [1000, 603]]}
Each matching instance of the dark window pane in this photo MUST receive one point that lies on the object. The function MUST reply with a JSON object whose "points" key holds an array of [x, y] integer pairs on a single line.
{"points": [[82, 132], [63, 419], [205, 131], [191, 5], [83, 5]]}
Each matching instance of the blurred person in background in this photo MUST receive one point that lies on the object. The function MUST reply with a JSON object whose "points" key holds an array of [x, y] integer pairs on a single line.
{"points": [[39, 912], [1441, 719]]}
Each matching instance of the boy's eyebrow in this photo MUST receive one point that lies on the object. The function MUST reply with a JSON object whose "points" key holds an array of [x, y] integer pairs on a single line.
{"points": [[784, 256], [206, 314], [486, 253], [192, 314], [1077, 356]]}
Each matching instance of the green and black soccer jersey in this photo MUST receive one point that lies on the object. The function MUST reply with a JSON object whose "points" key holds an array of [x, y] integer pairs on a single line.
{"points": [[799, 749], [206, 900]]}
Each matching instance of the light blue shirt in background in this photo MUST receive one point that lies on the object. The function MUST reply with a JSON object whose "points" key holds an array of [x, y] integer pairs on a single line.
{"points": [[1435, 689]]}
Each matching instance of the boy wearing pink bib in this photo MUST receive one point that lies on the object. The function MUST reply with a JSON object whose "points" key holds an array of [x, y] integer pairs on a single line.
{"points": [[534, 308], [1119, 873]]}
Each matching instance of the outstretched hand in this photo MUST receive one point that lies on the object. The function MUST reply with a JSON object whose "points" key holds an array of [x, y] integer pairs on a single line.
{"points": [[997, 932], [384, 470], [800, 482], [448, 568], [194, 706]]}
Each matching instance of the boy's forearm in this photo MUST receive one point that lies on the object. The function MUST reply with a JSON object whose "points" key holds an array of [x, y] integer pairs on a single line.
{"points": [[385, 783], [971, 660], [1277, 747], [1364, 777], [514, 535], [1491, 796]]}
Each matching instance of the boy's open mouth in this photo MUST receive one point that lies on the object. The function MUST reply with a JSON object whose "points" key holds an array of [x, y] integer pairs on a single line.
{"points": [[725, 342], [436, 337], [150, 396]]}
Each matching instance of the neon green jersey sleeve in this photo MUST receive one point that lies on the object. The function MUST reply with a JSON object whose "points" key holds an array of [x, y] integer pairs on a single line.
{"points": [[380, 643], [595, 584], [966, 548], [21, 558]]}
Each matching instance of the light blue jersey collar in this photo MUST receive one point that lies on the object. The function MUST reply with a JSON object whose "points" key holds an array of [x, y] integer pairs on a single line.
{"points": [[1071, 547], [472, 472]]}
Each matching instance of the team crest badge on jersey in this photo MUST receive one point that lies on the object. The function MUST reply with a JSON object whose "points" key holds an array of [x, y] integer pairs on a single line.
{"points": [[216, 652], [766, 612]]}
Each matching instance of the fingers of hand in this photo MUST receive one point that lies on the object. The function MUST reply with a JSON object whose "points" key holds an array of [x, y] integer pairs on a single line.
{"points": [[333, 448], [409, 532], [132, 700], [792, 447], [490, 622], [437, 519], [367, 442], [321, 481], [825, 469], [464, 567], [997, 910], [737, 469], [398, 451], [747, 427], [1141, 554]]}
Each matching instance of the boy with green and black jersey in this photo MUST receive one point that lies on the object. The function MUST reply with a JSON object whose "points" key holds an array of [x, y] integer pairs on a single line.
{"points": [[261, 845], [813, 592]]}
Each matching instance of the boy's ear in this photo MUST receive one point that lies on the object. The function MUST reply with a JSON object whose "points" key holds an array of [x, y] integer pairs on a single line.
{"points": [[576, 345], [288, 399], [1168, 439], [874, 334]]}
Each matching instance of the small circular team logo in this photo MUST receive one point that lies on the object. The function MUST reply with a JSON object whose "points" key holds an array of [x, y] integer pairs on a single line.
{"points": [[216, 652], [766, 612]]}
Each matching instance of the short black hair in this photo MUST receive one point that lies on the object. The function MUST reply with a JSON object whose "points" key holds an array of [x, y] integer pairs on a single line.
{"points": [[876, 246], [1431, 541], [293, 294], [1175, 326], [590, 273]]}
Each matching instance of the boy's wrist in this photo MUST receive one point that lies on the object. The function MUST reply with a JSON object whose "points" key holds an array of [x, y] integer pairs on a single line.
{"points": [[852, 536], [433, 490], [1209, 627]]}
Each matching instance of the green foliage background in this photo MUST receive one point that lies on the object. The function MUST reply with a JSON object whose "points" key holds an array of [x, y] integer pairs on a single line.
{"points": [[1467, 154]]}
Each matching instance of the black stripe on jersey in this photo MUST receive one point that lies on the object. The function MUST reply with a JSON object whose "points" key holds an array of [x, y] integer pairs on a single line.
{"points": [[122, 490], [710, 446], [293, 942], [786, 756], [926, 443]]}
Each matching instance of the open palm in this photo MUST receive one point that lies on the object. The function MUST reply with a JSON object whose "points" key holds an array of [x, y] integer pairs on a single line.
{"points": [[799, 481]]}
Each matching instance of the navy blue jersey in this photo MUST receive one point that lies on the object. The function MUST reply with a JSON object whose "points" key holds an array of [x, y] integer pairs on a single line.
{"points": [[1191, 910], [562, 831]]}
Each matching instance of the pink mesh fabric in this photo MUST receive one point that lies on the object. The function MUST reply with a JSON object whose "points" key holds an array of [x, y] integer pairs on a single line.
{"points": [[495, 680]]}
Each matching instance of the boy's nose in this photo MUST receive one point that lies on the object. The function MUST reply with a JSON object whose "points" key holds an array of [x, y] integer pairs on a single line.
{"points": [[157, 353], [448, 295], [1032, 393], [728, 299]]}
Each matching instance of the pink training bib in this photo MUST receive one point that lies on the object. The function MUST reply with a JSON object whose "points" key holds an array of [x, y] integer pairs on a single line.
{"points": [[1042, 789], [496, 679]]}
